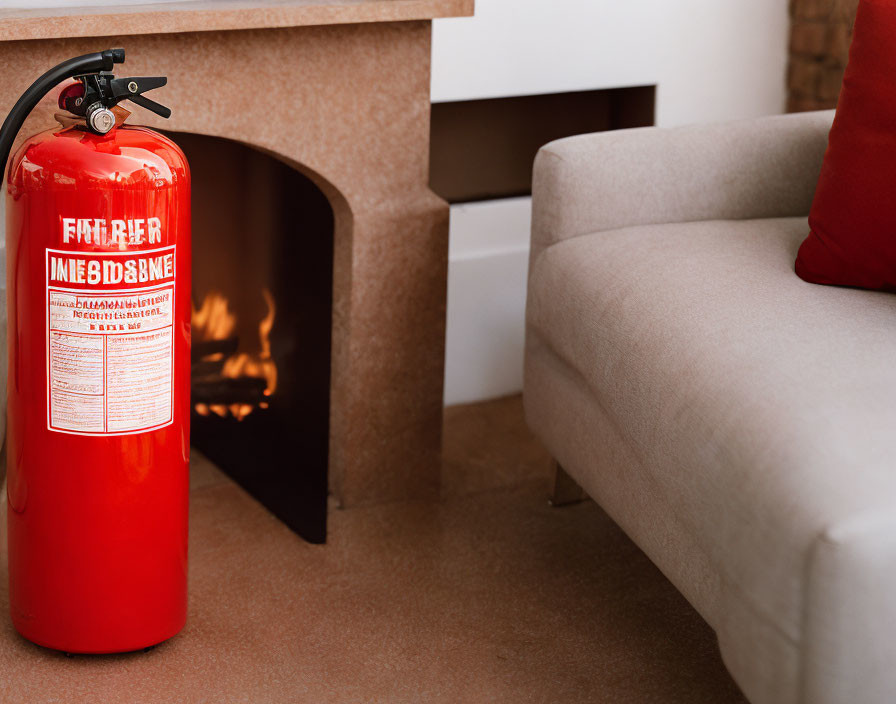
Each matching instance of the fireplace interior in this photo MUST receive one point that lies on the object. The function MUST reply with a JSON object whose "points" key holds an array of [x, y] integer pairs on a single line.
{"points": [[262, 307]]}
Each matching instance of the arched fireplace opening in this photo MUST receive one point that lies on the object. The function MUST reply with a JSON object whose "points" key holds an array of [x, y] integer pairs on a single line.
{"points": [[262, 309]]}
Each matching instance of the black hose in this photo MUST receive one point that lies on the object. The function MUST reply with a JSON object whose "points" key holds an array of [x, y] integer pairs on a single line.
{"points": [[89, 63]]}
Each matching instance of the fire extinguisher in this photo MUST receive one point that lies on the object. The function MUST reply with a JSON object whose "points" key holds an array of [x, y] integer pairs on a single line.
{"points": [[98, 279]]}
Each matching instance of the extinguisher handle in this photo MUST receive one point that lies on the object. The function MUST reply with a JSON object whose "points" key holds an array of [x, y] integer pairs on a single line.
{"points": [[151, 105], [89, 63]]}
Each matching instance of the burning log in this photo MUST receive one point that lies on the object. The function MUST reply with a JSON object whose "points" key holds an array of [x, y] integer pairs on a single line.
{"points": [[225, 391], [207, 368], [225, 382], [206, 348]]}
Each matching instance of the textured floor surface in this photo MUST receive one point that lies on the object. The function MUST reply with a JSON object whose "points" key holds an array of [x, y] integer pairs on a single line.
{"points": [[486, 596]]}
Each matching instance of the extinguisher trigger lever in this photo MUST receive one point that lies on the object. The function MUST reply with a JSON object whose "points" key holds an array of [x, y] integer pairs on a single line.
{"points": [[133, 88], [124, 88]]}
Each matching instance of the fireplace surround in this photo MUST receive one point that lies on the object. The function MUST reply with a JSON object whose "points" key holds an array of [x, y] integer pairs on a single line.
{"points": [[338, 91]]}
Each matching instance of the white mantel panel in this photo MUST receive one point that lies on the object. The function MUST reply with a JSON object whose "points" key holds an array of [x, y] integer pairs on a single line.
{"points": [[711, 59]]}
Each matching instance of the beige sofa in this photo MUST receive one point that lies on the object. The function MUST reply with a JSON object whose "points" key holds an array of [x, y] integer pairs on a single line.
{"points": [[738, 423]]}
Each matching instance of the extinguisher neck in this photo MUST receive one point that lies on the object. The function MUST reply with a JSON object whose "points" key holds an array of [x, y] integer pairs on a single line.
{"points": [[86, 64], [97, 93]]}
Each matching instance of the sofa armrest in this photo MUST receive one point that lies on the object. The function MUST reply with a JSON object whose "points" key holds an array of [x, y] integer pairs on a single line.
{"points": [[850, 615], [758, 168]]}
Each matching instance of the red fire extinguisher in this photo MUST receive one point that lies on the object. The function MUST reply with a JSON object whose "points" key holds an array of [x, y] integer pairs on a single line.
{"points": [[98, 279]]}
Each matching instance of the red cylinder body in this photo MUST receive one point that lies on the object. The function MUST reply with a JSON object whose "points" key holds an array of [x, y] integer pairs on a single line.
{"points": [[98, 281]]}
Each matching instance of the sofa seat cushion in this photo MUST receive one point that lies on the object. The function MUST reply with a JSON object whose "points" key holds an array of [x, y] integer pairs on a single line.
{"points": [[762, 407]]}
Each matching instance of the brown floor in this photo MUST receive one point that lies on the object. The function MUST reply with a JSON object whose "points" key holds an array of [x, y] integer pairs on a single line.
{"points": [[486, 596]]}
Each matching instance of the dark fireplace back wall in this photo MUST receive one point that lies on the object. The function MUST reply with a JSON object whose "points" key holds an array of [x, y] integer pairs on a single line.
{"points": [[260, 227], [483, 149]]}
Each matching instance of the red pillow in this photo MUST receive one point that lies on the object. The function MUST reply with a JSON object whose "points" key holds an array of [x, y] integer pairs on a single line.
{"points": [[852, 238]]}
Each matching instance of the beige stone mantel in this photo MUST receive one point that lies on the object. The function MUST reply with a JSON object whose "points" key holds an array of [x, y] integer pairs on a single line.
{"points": [[215, 15], [352, 113]]}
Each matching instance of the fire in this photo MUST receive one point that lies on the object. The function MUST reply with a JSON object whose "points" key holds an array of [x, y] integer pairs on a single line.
{"points": [[214, 321]]}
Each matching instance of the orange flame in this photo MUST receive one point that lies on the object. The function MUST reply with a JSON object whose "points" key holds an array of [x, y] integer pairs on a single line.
{"points": [[214, 321]]}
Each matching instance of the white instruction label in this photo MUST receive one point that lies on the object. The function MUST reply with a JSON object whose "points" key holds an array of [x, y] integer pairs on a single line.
{"points": [[110, 341]]}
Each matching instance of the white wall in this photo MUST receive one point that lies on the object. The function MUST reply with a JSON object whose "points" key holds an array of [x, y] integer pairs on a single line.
{"points": [[489, 257], [711, 60]]}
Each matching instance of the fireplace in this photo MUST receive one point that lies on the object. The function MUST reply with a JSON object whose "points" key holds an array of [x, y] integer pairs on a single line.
{"points": [[262, 307], [356, 278]]}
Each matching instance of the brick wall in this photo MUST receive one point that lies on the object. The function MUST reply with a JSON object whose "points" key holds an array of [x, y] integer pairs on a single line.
{"points": [[819, 46]]}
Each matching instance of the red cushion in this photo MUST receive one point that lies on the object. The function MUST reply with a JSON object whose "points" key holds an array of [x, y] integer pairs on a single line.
{"points": [[852, 241]]}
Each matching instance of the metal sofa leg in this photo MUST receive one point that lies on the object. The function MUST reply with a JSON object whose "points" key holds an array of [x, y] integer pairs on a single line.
{"points": [[565, 491]]}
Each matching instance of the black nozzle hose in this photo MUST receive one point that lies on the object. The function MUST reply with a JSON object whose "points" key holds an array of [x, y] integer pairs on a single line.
{"points": [[89, 63]]}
